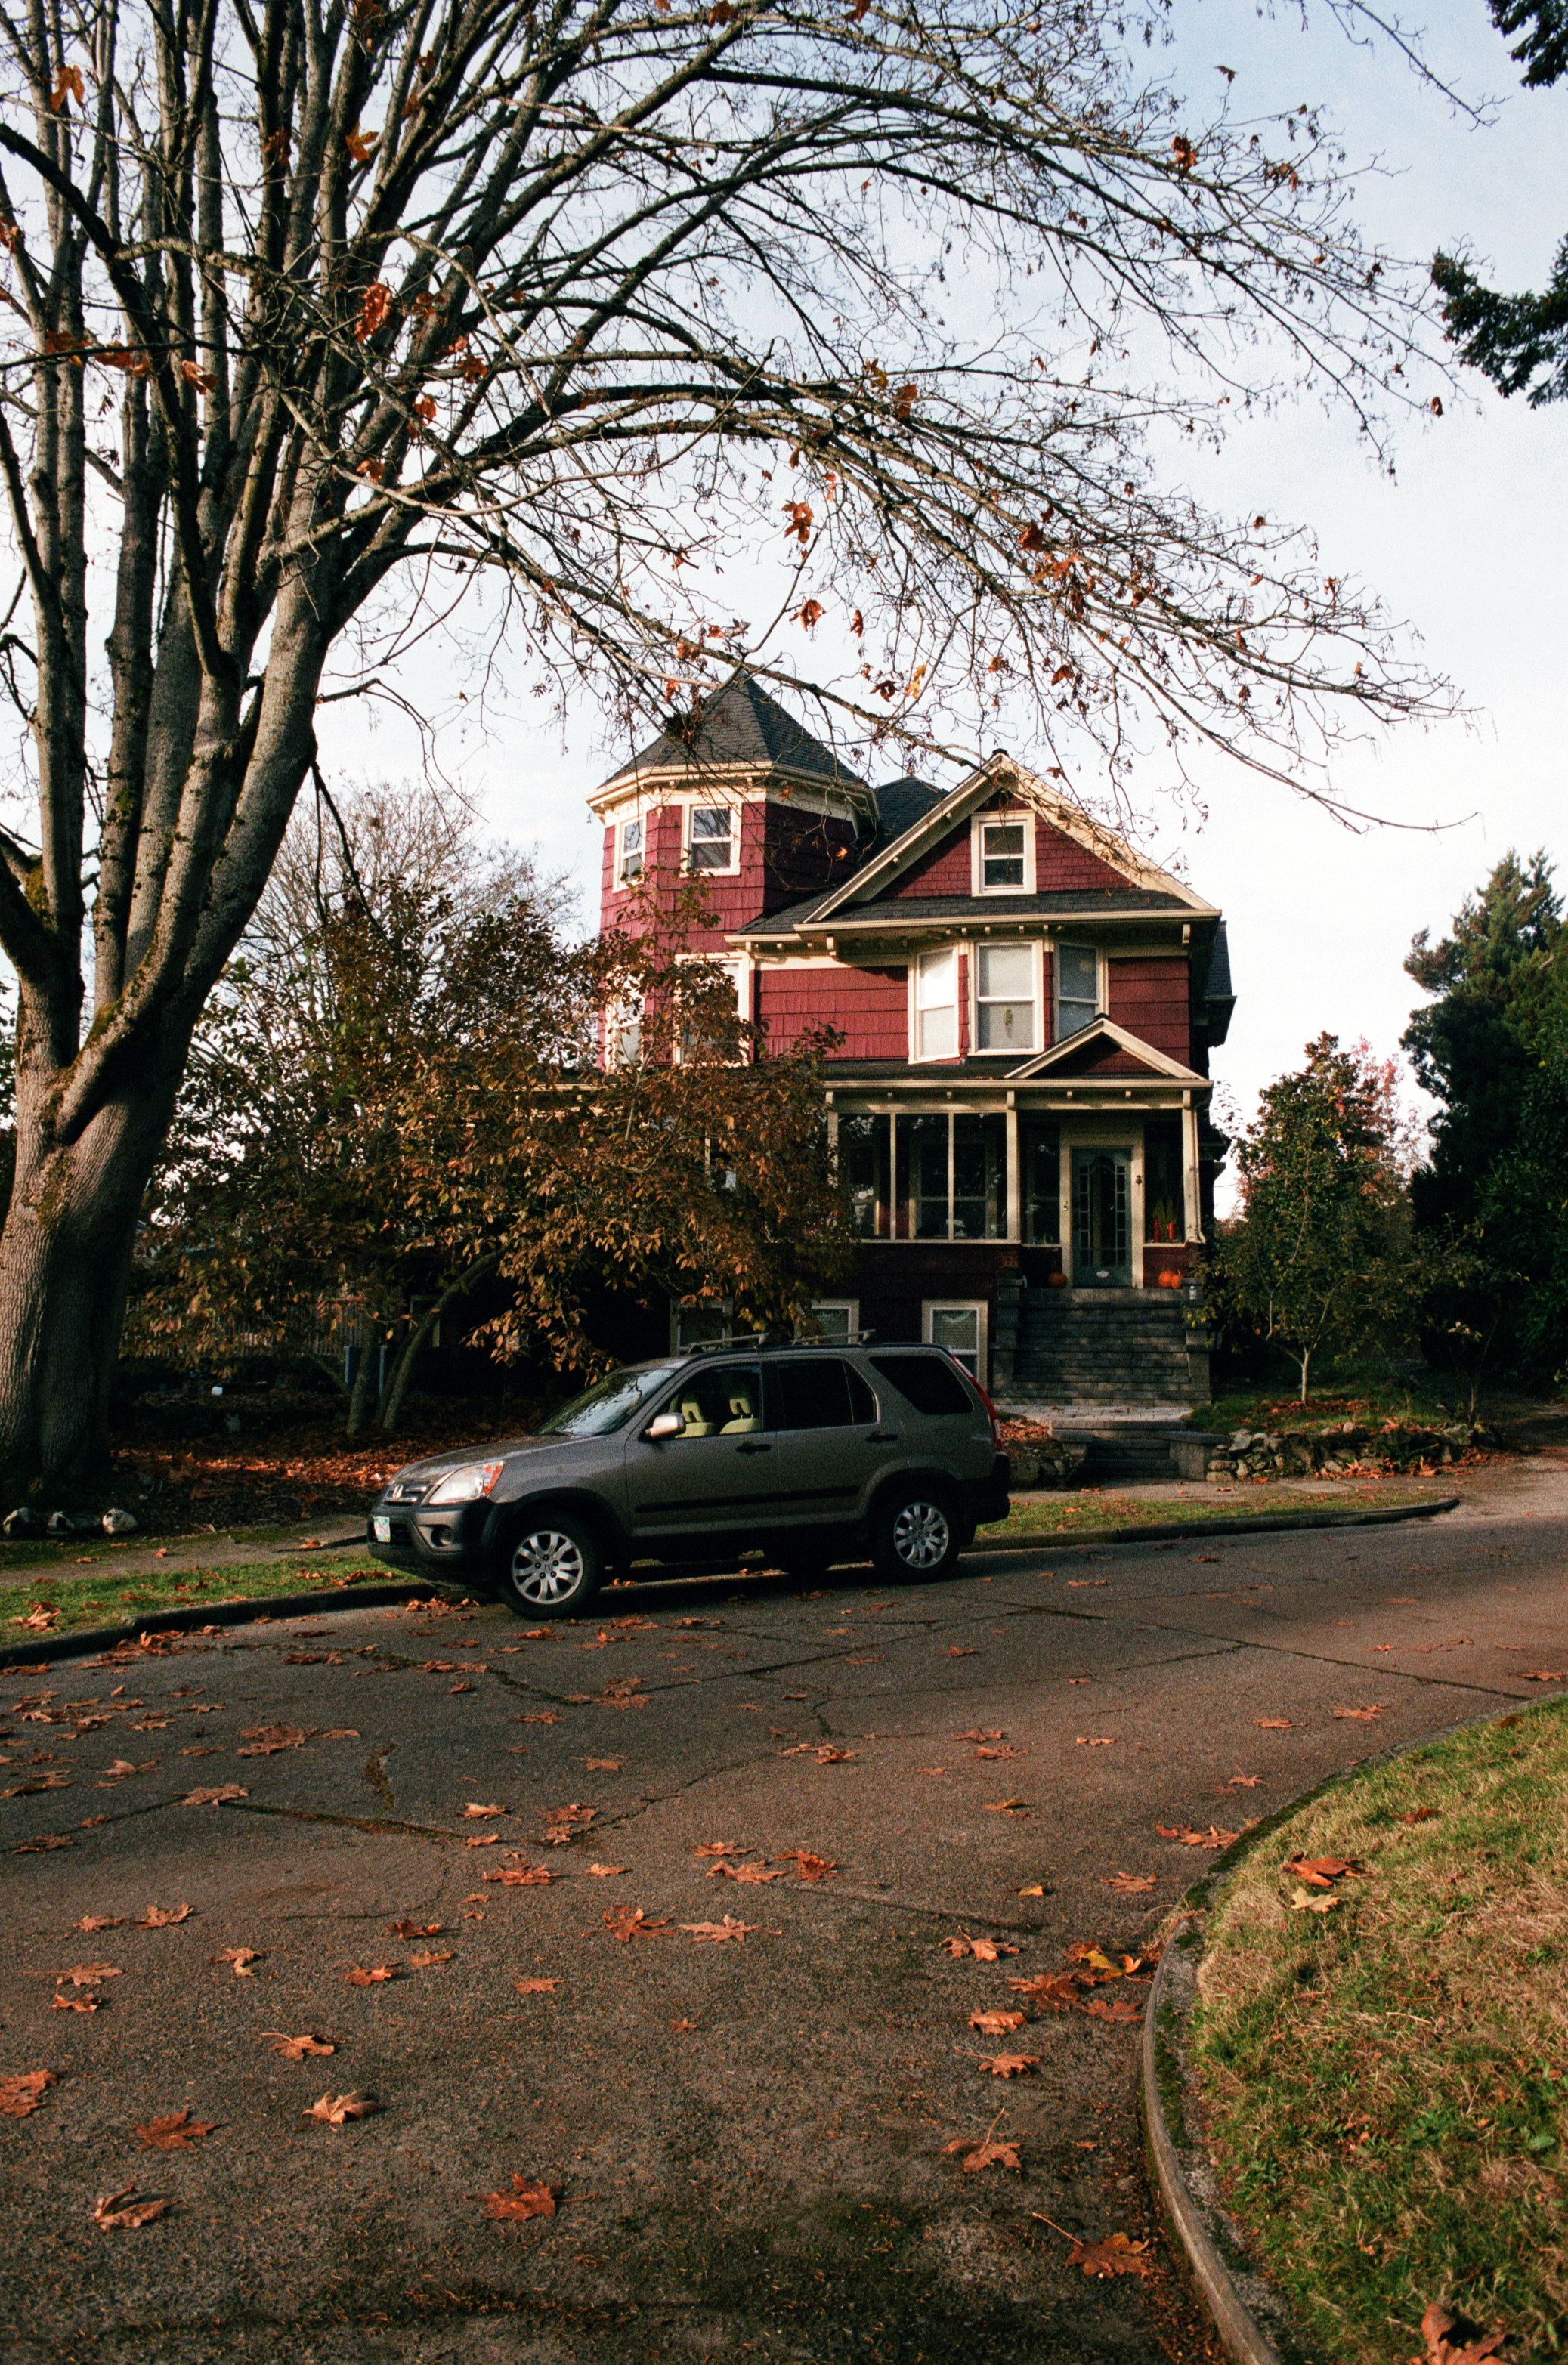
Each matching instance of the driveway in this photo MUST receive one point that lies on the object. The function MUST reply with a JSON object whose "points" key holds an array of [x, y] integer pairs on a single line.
{"points": [[744, 2136]]}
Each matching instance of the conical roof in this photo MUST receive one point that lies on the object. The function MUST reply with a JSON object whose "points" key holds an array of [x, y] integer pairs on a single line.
{"points": [[743, 726]]}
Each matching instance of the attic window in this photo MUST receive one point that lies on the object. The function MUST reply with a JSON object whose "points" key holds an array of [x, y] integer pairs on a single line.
{"points": [[1003, 855], [709, 847]]}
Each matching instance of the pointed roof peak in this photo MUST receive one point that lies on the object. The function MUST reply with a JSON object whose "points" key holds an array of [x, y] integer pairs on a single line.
{"points": [[740, 728]]}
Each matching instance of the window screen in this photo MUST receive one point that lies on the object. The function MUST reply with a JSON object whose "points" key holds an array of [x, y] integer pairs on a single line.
{"points": [[927, 1382], [820, 1393]]}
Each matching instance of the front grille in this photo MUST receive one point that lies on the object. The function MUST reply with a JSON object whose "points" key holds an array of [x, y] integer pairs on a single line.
{"points": [[410, 1490]]}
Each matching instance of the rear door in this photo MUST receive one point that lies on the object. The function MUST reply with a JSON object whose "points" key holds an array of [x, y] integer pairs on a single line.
{"points": [[831, 1442], [945, 1423], [719, 1473]]}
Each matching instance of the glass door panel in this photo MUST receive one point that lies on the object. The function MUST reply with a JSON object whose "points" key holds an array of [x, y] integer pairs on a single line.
{"points": [[1102, 1218]]}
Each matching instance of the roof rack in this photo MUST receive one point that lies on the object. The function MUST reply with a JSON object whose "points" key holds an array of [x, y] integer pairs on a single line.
{"points": [[765, 1339]]}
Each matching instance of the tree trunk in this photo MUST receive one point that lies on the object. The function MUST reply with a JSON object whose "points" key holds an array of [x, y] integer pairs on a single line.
{"points": [[65, 1257]]}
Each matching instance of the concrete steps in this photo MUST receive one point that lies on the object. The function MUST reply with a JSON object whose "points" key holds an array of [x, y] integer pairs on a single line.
{"points": [[1088, 1347]]}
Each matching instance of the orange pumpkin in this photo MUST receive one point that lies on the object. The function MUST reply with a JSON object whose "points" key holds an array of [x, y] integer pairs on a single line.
{"points": [[1056, 1280], [1171, 1280]]}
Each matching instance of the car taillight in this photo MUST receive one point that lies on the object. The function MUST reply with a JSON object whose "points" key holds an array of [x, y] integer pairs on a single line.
{"points": [[991, 1416]]}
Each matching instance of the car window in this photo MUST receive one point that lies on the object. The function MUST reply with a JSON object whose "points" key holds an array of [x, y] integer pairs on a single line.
{"points": [[718, 1400], [929, 1382], [818, 1392], [606, 1406]]}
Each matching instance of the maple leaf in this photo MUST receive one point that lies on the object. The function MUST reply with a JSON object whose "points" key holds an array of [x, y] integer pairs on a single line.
{"points": [[1455, 2340], [296, 2048], [177, 2132], [1009, 2065], [528, 2198], [89, 2002], [984, 2154], [1306, 1900], [997, 2023], [241, 1959], [1215, 1837], [21, 2095], [356, 1977], [625, 1923], [744, 1872], [1117, 2011], [415, 1929], [87, 1975], [334, 2109], [123, 2209], [101, 1921], [1116, 2254], [219, 1797], [266, 1740], [1360, 1715], [1273, 1724], [1131, 1884], [67, 85], [984, 1950], [428, 1961], [810, 1867], [359, 144], [1052, 1991], [716, 1932], [1322, 1871], [536, 1987], [163, 1917], [43, 1782], [483, 1839], [475, 1813], [608, 1871], [521, 1876], [717, 1847]]}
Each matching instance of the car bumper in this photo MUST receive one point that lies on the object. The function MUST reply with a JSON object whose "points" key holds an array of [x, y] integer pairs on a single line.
{"points": [[988, 1497], [450, 1544]]}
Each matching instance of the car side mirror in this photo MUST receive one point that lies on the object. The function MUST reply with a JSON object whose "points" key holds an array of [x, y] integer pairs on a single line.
{"points": [[664, 1424]]}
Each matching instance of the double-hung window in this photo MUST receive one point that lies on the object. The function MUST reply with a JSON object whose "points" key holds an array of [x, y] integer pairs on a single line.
{"points": [[629, 869], [1004, 998], [936, 1005], [1078, 988], [1003, 855], [710, 842]]}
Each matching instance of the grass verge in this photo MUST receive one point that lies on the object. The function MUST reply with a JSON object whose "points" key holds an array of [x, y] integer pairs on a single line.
{"points": [[1080, 1514], [115, 1597], [1385, 2084]]}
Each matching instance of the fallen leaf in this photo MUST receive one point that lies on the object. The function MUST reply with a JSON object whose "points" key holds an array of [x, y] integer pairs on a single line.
{"points": [[241, 1957], [718, 1930], [415, 1929], [89, 2002], [87, 1975], [603, 1765], [163, 1917], [982, 1732], [218, 1798], [1052, 1991], [1546, 1675], [625, 1923], [1116, 2254], [265, 1739], [528, 2198], [475, 1814], [1323, 1871], [1273, 1724], [428, 1962], [1117, 2011], [177, 2132], [123, 2209], [810, 1867], [1455, 2340], [1009, 2065], [1002, 1806], [1131, 1884], [984, 1950], [101, 1921], [521, 1876], [1094, 1958], [1360, 1715], [44, 1782], [1416, 1815], [997, 2023], [717, 1847], [746, 1872], [955, 1651], [296, 2048], [356, 1977], [483, 1839], [1306, 1900], [536, 1987], [682, 2027], [1096, 1740], [44, 1840], [338, 1731], [984, 2154], [1213, 1837], [334, 2109], [608, 1871], [21, 2095]]}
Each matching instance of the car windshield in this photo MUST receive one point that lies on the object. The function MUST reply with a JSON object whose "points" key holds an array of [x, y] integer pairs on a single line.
{"points": [[608, 1405]]}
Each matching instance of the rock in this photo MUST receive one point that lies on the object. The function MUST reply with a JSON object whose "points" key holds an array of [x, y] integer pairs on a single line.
{"points": [[19, 1522], [1241, 1440], [1025, 1466], [119, 1523], [59, 1523]]}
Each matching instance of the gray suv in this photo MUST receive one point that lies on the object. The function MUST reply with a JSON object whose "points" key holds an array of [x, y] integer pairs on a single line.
{"points": [[809, 1454]]}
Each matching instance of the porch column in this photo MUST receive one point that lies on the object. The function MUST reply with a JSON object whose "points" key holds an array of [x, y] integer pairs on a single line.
{"points": [[1015, 1181], [1191, 1217]]}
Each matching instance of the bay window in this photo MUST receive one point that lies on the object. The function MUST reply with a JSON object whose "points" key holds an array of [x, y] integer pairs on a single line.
{"points": [[1004, 998], [1078, 988]]}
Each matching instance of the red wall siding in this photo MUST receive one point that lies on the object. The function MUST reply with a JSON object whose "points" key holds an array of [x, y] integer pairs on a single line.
{"points": [[733, 897], [1061, 864], [871, 1006], [944, 871], [1148, 997]]}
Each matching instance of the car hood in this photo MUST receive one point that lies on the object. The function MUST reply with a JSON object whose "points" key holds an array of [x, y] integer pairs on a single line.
{"points": [[435, 1465]]}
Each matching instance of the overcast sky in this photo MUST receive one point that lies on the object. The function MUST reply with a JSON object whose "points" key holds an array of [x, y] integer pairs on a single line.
{"points": [[1466, 543]]}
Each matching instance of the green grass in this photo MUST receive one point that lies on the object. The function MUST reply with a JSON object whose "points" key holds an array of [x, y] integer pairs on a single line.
{"points": [[1385, 2085], [1357, 1394], [1079, 1514], [112, 1596]]}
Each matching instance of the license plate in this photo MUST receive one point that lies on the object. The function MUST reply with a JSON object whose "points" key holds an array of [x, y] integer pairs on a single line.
{"points": [[382, 1531]]}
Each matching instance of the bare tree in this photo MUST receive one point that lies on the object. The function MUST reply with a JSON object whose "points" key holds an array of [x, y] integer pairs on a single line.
{"points": [[319, 309]]}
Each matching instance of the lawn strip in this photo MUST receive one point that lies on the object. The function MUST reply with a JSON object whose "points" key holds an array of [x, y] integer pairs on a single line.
{"points": [[118, 1596], [1086, 1514], [1385, 2084]]}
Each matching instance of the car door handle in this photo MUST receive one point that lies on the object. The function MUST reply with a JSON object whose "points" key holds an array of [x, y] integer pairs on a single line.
{"points": [[754, 1448], [883, 1437]]}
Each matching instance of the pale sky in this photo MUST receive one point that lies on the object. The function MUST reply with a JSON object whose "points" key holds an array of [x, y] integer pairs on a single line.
{"points": [[1466, 544]]}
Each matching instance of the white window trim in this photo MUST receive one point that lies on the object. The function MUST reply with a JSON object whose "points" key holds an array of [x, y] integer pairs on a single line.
{"points": [[738, 968], [628, 1013], [715, 804], [930, 1307], [631, 820], [1036, 989], [1015, 814], [917, 1055], [849, 1306], [1102, 985]]}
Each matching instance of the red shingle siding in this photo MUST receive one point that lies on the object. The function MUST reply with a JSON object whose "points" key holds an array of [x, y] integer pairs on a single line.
{"points": [[944, 871], [1060, 864], [1148, 997], [871, 1006]]}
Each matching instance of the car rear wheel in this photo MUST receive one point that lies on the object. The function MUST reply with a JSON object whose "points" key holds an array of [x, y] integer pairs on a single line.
{"points": [[918, 1535], [552, 1566]]}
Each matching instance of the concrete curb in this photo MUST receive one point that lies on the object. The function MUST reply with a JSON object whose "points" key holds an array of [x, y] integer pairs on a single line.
{"points": [[1166, 1531]]}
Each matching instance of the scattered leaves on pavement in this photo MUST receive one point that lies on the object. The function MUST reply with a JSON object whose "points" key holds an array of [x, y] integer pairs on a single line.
{"points": [[984, 1950], [415, 1929], [984, 2154], [354, 1977], [529, 2197], [296, 2048], [536, 1987], [123, 2209], [217, 1798], [997, 2023], [23, 2094], [176, 2132], [625, 1923], [825, 1753], [1009, 2065], [716, 1932], [1131, 1884], [334, 2109], [1213, 1837], [1052, 1991], [240, 1959]]}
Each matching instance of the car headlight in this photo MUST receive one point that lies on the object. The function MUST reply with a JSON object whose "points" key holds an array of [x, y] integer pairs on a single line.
{"points": [[466, 1485]]}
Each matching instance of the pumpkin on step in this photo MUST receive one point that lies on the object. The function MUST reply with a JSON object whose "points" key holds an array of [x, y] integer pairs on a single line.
{"points": [[1171, 1280], [1056, 1280]]}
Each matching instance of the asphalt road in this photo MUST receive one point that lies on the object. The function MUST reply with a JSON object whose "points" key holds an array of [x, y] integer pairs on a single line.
{"points": [[746, 2133]]}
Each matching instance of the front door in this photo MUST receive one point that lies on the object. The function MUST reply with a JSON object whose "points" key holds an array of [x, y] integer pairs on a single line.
{"points": [[1102, 1220]]}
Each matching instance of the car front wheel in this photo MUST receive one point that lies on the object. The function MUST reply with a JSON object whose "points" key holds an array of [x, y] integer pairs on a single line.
{"points": [[918, 1535], [552, 1567]]}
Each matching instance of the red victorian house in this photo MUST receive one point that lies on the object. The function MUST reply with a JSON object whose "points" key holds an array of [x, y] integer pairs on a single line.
{"points": [[1021, 1100]]}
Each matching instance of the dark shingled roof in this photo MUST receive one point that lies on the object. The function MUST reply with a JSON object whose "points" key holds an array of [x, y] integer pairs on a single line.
{"points": [[1088, 900], [744, 726], [898, 806]]}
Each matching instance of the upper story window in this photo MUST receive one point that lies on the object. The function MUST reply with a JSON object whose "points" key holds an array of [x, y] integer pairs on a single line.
{"points": [[1004, 998], [1078, 988], [630, 866], [710, 844], [1003, 855], [936, 1005]]}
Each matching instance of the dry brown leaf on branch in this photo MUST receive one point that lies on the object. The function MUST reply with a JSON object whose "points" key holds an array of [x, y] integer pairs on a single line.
{"points": [[716, 1932], [1009, 2065], [997, 2023], [296, 2048], [521, 1876], [1454, 2340], [163, 1917], [415, 1929], [1131, 1884], [475, 1813], [240, 1959], [536, 1987], [176, 2131], [1117, 2254], [429, 1961], [23, 2094], [334, 2109], [625, 1923], [984, 2154], [123, 2209], [354, 1977], [984, 1950], [529, 2197]]}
